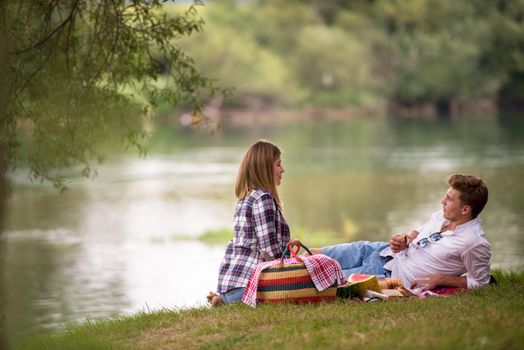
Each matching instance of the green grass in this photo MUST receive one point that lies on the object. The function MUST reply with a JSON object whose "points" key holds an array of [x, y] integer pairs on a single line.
{"points": [[312, 238], [219, 236], [490, 318]]}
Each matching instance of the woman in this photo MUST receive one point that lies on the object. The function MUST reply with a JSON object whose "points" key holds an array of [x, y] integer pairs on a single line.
{"points": [[260, 231]]}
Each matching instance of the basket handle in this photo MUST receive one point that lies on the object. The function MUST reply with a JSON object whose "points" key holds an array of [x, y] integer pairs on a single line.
{"points": [[289, 251]]}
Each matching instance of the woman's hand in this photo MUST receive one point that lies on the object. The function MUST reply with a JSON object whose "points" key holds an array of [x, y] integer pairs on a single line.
{"points": [[294, 242], [294, 247]]}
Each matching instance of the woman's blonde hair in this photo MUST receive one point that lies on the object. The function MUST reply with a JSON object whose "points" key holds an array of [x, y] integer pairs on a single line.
{"points": [[256, 170]]}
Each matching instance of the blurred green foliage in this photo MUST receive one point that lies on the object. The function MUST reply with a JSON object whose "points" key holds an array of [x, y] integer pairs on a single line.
{"points": [[347, 53], [80, 72]]}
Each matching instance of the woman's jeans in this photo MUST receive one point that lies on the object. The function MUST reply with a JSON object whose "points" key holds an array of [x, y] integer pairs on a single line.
{"points": [[233, 295]]}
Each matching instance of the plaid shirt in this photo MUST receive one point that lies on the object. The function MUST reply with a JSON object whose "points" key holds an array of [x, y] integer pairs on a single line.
{"points": [[261, 234]]}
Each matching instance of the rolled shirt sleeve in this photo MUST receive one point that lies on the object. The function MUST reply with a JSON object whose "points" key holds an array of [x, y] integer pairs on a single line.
{"points": [[477, 262]]}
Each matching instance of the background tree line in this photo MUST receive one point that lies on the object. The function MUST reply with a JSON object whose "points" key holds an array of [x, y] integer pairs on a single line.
{"points": [[79, 72], [353, 53]]}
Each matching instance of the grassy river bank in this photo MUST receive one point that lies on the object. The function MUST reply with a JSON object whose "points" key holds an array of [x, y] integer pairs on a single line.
{"points": [[490, 318]]}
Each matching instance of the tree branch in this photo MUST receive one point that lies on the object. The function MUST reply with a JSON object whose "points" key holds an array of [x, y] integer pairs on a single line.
{"points": [[59, 28]]}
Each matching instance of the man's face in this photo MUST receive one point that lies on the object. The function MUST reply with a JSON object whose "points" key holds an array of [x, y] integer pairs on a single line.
{"points": [[452, 206]]}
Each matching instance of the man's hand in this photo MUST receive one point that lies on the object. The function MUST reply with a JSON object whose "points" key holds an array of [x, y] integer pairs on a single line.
{"points": [[427, 283], [438, 280], [399, 242]]}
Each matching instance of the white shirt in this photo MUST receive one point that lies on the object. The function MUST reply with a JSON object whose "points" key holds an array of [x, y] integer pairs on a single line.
{"points": [[463, 251]]}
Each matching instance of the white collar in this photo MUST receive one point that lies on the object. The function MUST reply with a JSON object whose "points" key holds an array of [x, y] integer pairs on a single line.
{"points": [[464, 226]]}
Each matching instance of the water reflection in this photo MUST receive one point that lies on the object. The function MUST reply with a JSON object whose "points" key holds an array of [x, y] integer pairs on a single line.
{"points": [[112, 246], [53, 279]]}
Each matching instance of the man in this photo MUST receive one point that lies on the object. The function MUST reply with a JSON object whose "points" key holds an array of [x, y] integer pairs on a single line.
{"points": [[450, 250]]}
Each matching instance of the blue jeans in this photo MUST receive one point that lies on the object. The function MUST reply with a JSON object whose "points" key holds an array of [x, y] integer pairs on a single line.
{"points": [[233, 295], [359, 257]]}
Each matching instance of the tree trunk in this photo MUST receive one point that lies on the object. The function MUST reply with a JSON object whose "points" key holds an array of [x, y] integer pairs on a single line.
{"points": [[443, 107], [511, 95], [4, 189], [3, 248]]}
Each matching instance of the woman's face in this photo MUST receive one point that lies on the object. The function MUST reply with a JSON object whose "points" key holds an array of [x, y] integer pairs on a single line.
{"points": [[278, 170]]}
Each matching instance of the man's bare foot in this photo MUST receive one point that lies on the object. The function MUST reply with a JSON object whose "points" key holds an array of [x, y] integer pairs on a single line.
{"points": [[214, 299], [313, 250]]}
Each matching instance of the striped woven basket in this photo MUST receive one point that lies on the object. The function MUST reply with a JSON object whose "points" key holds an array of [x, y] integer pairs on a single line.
{"points": [[291, 284]]}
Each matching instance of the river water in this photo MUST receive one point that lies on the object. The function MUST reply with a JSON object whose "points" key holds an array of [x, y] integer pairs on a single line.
{"points": [[127, 241]]}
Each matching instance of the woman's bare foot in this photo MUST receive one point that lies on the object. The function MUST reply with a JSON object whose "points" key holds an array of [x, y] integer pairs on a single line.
{"points": [[214, 299]]}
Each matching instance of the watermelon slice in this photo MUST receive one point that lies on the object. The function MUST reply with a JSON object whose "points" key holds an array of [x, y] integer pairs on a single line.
{"points": [[357, 285]]}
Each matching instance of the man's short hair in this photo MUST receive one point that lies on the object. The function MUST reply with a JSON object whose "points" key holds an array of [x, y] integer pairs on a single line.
{"points": [[473, 191]]}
